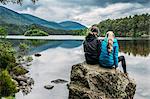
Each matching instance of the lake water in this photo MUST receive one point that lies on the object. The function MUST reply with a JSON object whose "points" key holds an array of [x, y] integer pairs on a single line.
{"points": [[59, 56]]}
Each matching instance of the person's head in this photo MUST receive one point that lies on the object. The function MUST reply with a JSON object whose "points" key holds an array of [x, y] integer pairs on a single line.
{"points": [[110, 39], [110, 35], [94, 30]]}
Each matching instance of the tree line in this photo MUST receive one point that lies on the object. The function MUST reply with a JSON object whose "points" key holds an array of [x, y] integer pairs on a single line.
{"points": [[132, 26], [14, 1]]}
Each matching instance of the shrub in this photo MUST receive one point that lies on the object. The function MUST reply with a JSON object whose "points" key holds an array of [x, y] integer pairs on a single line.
{"points": [[3, 32], [7, 86], [6, 55], [23, 49], [29, 59]]}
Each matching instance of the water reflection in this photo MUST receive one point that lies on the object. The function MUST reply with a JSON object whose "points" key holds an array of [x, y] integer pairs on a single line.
{"points": [[135, 47], [41, 45]]}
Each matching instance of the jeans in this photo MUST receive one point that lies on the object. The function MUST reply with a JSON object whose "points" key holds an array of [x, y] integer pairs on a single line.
{"points": [[123, 62]]}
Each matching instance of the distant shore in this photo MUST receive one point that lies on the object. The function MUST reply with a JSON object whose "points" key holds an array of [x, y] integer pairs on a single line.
{"points": [[65, 37]]}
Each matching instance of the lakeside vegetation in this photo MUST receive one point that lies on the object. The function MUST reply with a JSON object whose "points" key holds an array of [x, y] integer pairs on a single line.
{"points": [[10, 66], [8, 61]]}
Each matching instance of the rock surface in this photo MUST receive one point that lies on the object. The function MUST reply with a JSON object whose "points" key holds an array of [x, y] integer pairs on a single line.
{"points": [[59, 81], [95, 82], [23, 83], [37, 54], [48, 87]]}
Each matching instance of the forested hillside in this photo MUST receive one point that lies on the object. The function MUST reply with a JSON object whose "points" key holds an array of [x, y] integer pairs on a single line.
{"points": [[132, 26], [13, 29]]}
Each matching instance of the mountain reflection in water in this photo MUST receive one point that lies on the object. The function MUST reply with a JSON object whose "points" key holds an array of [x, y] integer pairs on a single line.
{"points": [[134, 47]]}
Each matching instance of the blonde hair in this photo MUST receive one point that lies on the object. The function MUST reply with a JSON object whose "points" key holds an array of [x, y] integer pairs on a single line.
{"points": [[110, 38]]}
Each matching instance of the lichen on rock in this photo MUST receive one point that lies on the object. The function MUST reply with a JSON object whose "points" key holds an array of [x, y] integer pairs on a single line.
{"points": [[95, 82]]}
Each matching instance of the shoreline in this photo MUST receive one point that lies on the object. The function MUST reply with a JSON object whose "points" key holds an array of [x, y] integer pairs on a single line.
{"points": [[66, 37]]}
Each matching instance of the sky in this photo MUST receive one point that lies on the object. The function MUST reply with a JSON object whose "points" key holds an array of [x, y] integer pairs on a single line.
{"points": [[87, 12]]}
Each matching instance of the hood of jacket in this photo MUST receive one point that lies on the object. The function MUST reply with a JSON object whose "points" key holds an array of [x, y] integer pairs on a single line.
{"points": [[90, 38], [115, 40]]}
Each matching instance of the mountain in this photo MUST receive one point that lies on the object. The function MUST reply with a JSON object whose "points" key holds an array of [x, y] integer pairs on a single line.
{"points": [[43, 22], [11, 17], [70, 25]]}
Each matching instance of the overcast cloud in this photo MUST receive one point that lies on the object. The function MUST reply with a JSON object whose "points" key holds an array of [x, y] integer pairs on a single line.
{"points": [[87, 12]]}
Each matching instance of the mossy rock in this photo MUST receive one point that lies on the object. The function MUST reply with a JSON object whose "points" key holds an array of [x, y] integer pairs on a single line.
{"points": [[19, 70]]}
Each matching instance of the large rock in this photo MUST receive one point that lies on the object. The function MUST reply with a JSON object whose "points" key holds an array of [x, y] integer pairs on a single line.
{"points": [[95, 82]]}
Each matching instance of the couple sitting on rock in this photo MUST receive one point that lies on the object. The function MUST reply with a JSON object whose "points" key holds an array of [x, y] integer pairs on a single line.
{"points": [[103, 52]]}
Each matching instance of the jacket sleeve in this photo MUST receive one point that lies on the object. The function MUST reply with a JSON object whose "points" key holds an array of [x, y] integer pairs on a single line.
{"points": [[84, 46], [98, 47], [116, 50]]}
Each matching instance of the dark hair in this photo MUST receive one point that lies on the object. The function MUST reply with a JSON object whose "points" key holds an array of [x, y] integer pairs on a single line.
{"points": [[94, 30], [94, 25]]}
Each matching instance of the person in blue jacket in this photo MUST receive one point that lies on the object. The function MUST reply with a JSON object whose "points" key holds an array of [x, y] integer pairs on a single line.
{"points": [[108, 57]]}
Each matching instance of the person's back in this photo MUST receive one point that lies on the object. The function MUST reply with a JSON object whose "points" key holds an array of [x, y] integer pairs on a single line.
{"points": [[91, 47], [109, 53], [107, 59]]}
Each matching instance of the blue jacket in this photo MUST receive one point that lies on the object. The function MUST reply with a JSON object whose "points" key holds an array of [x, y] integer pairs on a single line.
{"points": [[109, 59]]}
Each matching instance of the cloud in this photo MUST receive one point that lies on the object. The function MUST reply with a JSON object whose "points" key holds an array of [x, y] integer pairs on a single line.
{"points": [[112, 11], [86, 12]]}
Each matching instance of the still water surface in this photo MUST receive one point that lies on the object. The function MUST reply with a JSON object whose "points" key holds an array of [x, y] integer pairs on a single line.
{"points": [[59, 56]]}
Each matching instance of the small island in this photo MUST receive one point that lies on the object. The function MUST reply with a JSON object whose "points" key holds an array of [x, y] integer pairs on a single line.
{"points": [[35, 32]]}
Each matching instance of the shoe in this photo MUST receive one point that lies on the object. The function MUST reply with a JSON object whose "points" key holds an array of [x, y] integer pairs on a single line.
{"points": [[126, 74]]}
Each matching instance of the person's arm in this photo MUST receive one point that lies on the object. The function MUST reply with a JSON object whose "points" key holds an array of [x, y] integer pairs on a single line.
{"points": [[84, 46], [116, 51], [98, 47]]}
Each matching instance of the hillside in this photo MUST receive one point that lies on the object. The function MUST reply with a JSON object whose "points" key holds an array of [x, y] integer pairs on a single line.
{"points": [[42, 22], [70, 25], [21, 29], [8, 16], [11, 17], [131, 26]]}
